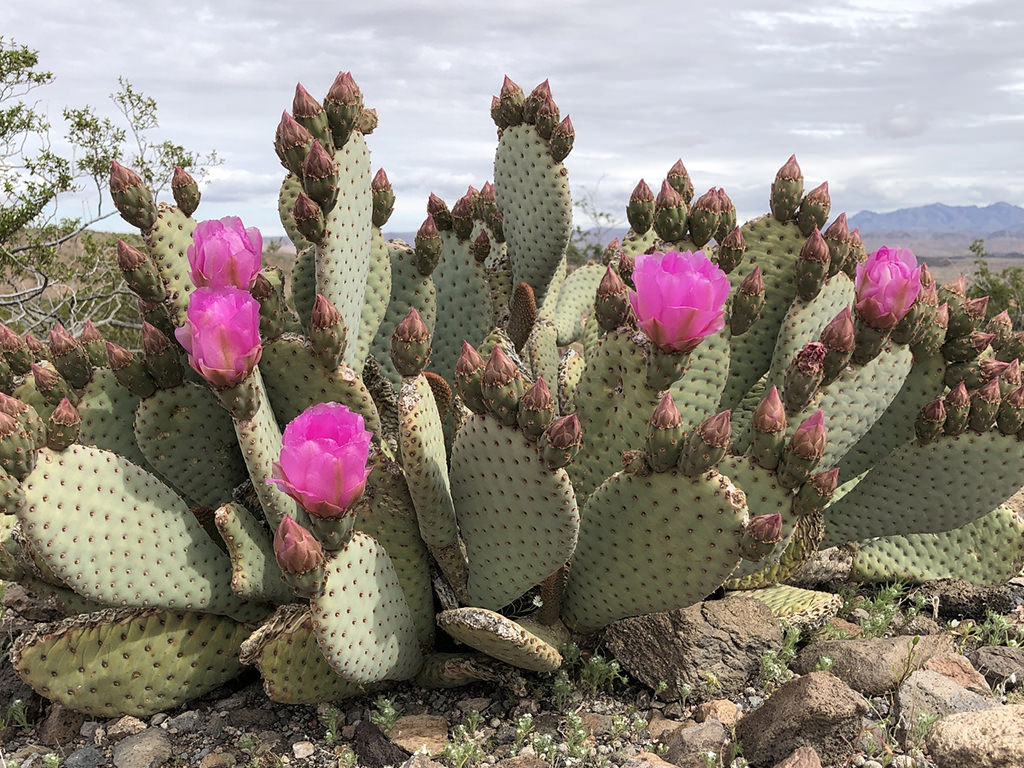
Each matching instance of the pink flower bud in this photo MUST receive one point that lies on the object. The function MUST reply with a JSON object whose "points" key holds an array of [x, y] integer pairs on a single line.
{"points": [[323, 460], [887, 285], [224, 254], [296, 549], [222, 335], [679, 298]]}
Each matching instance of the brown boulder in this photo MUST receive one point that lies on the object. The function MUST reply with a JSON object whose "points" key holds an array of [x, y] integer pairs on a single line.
{"points": [[989, 738]]}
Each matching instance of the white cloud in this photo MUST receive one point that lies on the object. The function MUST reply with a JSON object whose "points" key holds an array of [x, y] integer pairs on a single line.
{"points": [[896, 106]]}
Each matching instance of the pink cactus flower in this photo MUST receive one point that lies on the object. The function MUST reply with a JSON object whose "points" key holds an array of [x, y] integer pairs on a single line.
{"points": [[224, 253], [297, 550], [324, 451], [222, 335], [679, 298], [887, 285]]}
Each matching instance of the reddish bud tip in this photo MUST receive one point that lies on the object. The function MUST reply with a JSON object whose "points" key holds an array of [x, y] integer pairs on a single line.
{"points": [[128, 258], [122, 178], [303, 104], [734, 240], [65, 414], [766, 528], [716, 431], [808, 441], [324, 315], [838, 230], [666, 415], [958, 397], [753, 284], [181, 178], [44, 377], [412, 328], [154, 341], [90, 333], [117, 357], [770, 415], [611, 284], [815, 248], [344, 90], [819, 194], [934, 411], [826, 482], [810, 358], [469, 361], [565, 432], [380, 182], [500, 369], [538, 397], [838, 334], [291, 133], [668, 197], [318, 163], [296, 549], [641, 193], [790, 170], [62, 342]]}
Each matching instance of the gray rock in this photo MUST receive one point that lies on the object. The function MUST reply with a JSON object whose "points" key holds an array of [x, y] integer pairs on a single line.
{"points": [[374, 749], [86, 757], [929, 693], [186, 722], [817, 710], [998, 663], [873, 665], [723, 637], [149, 749], [989, 738], [61, 726], [686, 745]]}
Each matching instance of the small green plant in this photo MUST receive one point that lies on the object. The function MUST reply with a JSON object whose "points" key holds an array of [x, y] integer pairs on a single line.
{"points": [[709, 686], [51, 760], [330, 716], [347, 757], [575, 734], [908, 663], [660, 688], [600, 674], [524, 727], [881, 609], [996, 629], [919, 728], [572, 657], [685, 691], [709, 759], [544, 745], [562, 692], [473, 721], [384, 715], [461, 750], [16, 716], [824, 664], [775, 663]]}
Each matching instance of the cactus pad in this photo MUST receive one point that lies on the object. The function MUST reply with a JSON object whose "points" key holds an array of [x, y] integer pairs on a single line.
{"points": [[515, 643]]}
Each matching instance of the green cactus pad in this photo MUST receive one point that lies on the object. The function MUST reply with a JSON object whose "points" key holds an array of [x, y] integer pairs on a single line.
{"points": [[519, 532], [129, 661], [576, 302], [570, 371], [614, 402], [764, 497], [293, 669], [854, 401], [343, 259], [116, 534], [989, 550], [689, 529], [295, 380], [409, 288], [928, 488], [168, 243], [362, 621], [188, 438], [304, 283], [520, 643], [256, 575], [773, 246], [805, 609], [541, 352], [70, 603], [634, 244], [532, 192], [376, 298], [386, 513], [107, 410], [896, 426], [291, 186], [463, 304], [425, 461]]}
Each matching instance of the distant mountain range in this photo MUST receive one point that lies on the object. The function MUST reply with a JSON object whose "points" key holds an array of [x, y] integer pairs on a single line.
{"points": [[998, 218]]}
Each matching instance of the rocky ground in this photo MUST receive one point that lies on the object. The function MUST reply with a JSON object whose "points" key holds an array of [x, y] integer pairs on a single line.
{"points": [[716, 684]]}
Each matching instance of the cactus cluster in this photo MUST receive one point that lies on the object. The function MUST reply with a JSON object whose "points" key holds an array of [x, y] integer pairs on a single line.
{"points": [[548, 451]]}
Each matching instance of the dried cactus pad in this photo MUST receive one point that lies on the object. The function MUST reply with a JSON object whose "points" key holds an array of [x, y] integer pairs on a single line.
{"points": [[502, 638], [129, 661], [362, 620], [294, 670], [806, 609], [116, 534], [688, 528]]}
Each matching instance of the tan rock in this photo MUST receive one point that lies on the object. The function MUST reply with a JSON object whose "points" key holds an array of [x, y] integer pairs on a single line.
{"points": [[988, 738], [687, 745], [646, 760], [415, 732], [848, 628], [722, 710], [873, 665], [126, 726], [804, 757], [216, 760], [817, 710], [661, 728], [960, 670], [303, 749]]}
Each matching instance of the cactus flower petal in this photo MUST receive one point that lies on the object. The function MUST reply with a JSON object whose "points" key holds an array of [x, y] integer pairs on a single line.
{"points": [[224, 253], [887, 285], [679, 298], [222, 335], [323, 461]]}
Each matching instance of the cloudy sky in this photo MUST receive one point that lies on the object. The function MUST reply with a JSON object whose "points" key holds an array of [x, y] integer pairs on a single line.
{"points": [[894, 108]]}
